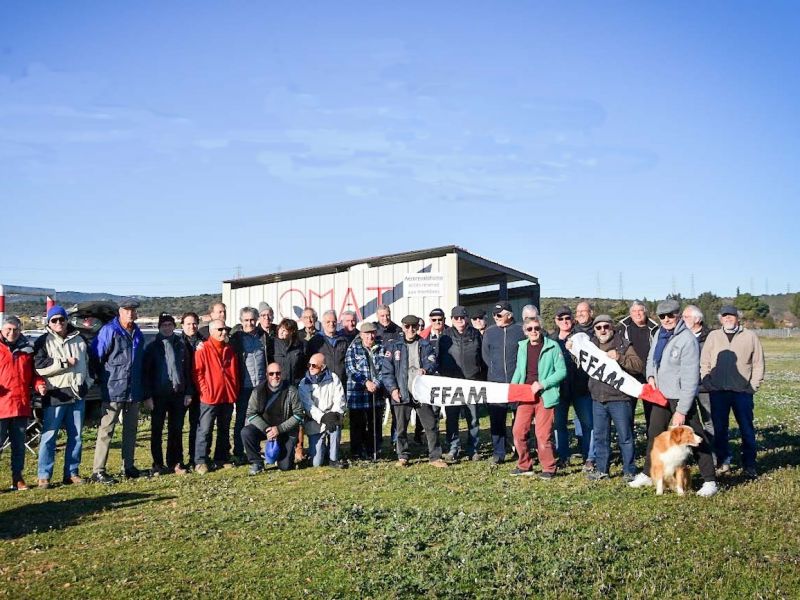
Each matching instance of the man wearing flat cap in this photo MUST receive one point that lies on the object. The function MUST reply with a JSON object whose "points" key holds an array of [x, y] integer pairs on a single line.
{"points": [[499, 351], [673, 366], [364, 392], [732, 369], [118, 356], [404, 360], [460, 357]]}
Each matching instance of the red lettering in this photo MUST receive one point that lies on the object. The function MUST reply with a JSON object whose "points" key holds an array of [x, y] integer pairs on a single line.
{"points": [[350, 303], [312, 293], [293, 309]]}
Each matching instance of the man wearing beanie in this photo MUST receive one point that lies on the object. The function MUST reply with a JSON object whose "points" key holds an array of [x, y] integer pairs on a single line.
{"points": [[168, 391], [216, 375], [118, 349], [61, 358]]}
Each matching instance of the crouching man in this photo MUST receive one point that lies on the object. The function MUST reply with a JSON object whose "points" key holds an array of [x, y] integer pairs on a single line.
{"points": [[274, 412], [322, 395]]}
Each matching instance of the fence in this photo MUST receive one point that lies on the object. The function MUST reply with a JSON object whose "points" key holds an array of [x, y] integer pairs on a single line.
{"points": [[778, 333]]}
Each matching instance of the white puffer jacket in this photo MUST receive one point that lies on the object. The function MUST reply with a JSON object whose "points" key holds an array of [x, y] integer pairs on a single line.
{"points": [[320, 398]]}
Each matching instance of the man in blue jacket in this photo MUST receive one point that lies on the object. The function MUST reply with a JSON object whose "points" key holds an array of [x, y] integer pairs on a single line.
{"points": [[118, 355], [404, 360], [499, 350]]}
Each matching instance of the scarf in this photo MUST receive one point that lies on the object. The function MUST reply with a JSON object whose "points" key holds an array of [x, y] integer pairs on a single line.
{"points": [[663, 337], [174, 374]]}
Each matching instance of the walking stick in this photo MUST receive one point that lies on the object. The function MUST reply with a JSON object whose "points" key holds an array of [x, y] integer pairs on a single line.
{"points": [[374, 431]]}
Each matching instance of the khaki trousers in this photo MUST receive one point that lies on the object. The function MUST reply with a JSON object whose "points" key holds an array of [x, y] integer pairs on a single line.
{"points": [[105, 432]]}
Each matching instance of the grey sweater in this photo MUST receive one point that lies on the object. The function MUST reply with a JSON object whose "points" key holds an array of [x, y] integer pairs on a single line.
{"points": [[678, 376]]}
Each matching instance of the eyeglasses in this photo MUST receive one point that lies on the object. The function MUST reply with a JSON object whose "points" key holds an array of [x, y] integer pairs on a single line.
{"points": [[603, 327], [458, 318], [671, 315], [436, 319], [274, 373], [57, 320], [410, 326], [225, 329], [313, 366], [564, 318], [533, 328]]}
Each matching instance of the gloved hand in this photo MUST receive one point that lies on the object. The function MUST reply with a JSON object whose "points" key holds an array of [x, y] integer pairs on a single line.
{"points": [[331, 421]]}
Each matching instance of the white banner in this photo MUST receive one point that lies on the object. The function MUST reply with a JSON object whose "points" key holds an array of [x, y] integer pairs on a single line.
{"points": [[600, 367], [448, 391]]}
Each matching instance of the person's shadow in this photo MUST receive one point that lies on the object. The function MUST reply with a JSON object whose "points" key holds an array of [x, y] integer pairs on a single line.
{"points": [[59, 514]]}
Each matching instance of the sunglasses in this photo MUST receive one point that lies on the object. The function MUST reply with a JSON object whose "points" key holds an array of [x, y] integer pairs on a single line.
{"points": [[458, 318], [564, 318], [314, 366], [602, 327], [534, 328], [225, 329], [437, 320], [667, 316], [410, 326], [57, 320], [274, 373]]}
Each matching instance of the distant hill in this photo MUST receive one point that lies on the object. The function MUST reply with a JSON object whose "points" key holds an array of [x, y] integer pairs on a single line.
{"points": [[150, 305]]}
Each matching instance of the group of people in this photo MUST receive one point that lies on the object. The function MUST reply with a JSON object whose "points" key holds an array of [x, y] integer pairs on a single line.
{"points": [[280, 384]]}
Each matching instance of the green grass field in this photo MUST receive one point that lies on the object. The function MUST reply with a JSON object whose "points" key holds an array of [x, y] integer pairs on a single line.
{"points": [[380, 531]]}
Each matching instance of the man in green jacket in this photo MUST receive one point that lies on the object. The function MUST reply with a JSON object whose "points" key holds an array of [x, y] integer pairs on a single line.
{"points": [[540, 364]]}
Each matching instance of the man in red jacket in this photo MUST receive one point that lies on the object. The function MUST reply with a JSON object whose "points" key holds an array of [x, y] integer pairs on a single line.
{"points": [[17, 380], [216, 376]]}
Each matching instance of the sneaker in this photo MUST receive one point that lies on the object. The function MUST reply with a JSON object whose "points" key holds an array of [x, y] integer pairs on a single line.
{"points": [[546, 475], [588, 466], [44, 484], [596, 475], [450, 457], [132, 473], [750, 472], [19, 484], [338, 464], [724, 469], [102, 477], [402, 462], [708, 489], [255, 469], [438, 463], [641, 480], [201, 469], [179, 470], [517, 471], [628, 477], [74, 479]]}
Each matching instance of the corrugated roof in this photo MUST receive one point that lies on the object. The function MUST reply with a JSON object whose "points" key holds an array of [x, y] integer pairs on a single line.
{"points": [[377, 261]]}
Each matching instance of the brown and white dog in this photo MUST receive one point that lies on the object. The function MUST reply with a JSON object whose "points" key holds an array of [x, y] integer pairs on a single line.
{"points": [[671, 450]]}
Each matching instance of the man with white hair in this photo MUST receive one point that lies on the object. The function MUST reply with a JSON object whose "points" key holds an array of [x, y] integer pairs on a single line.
{"points": [[529, 311], [732, 370], [267, 330], [252, 357], [309, 320], [348, 321], [693, 318]]}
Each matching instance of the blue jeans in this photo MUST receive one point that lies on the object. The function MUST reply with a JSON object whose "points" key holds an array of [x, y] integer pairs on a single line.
{"points": [[742, 405], [241, 411], [71, 417], [14, 428], [620, 413], [317, 447], [583, 412], [452, 416]]}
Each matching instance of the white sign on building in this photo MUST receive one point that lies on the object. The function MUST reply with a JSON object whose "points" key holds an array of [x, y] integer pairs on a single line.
{"points": [[423, 285]]}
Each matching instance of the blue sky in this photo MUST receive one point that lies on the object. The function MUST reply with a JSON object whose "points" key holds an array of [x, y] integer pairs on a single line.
{"points": [[154, 148]]}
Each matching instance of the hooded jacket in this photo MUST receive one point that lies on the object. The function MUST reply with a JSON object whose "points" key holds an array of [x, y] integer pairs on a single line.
{"points": [[460, 353], [65, 383], [17, 378], [499, 351], [678, 375], [321, 394]]}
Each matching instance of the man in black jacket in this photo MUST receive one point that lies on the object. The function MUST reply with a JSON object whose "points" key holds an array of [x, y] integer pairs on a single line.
{"points": [[274, 412], [168, 388], [460, 357], [192, 339], [331, 345]]}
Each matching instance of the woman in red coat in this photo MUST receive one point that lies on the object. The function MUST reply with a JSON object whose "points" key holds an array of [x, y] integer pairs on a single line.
{"points": [[17, 380]]}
